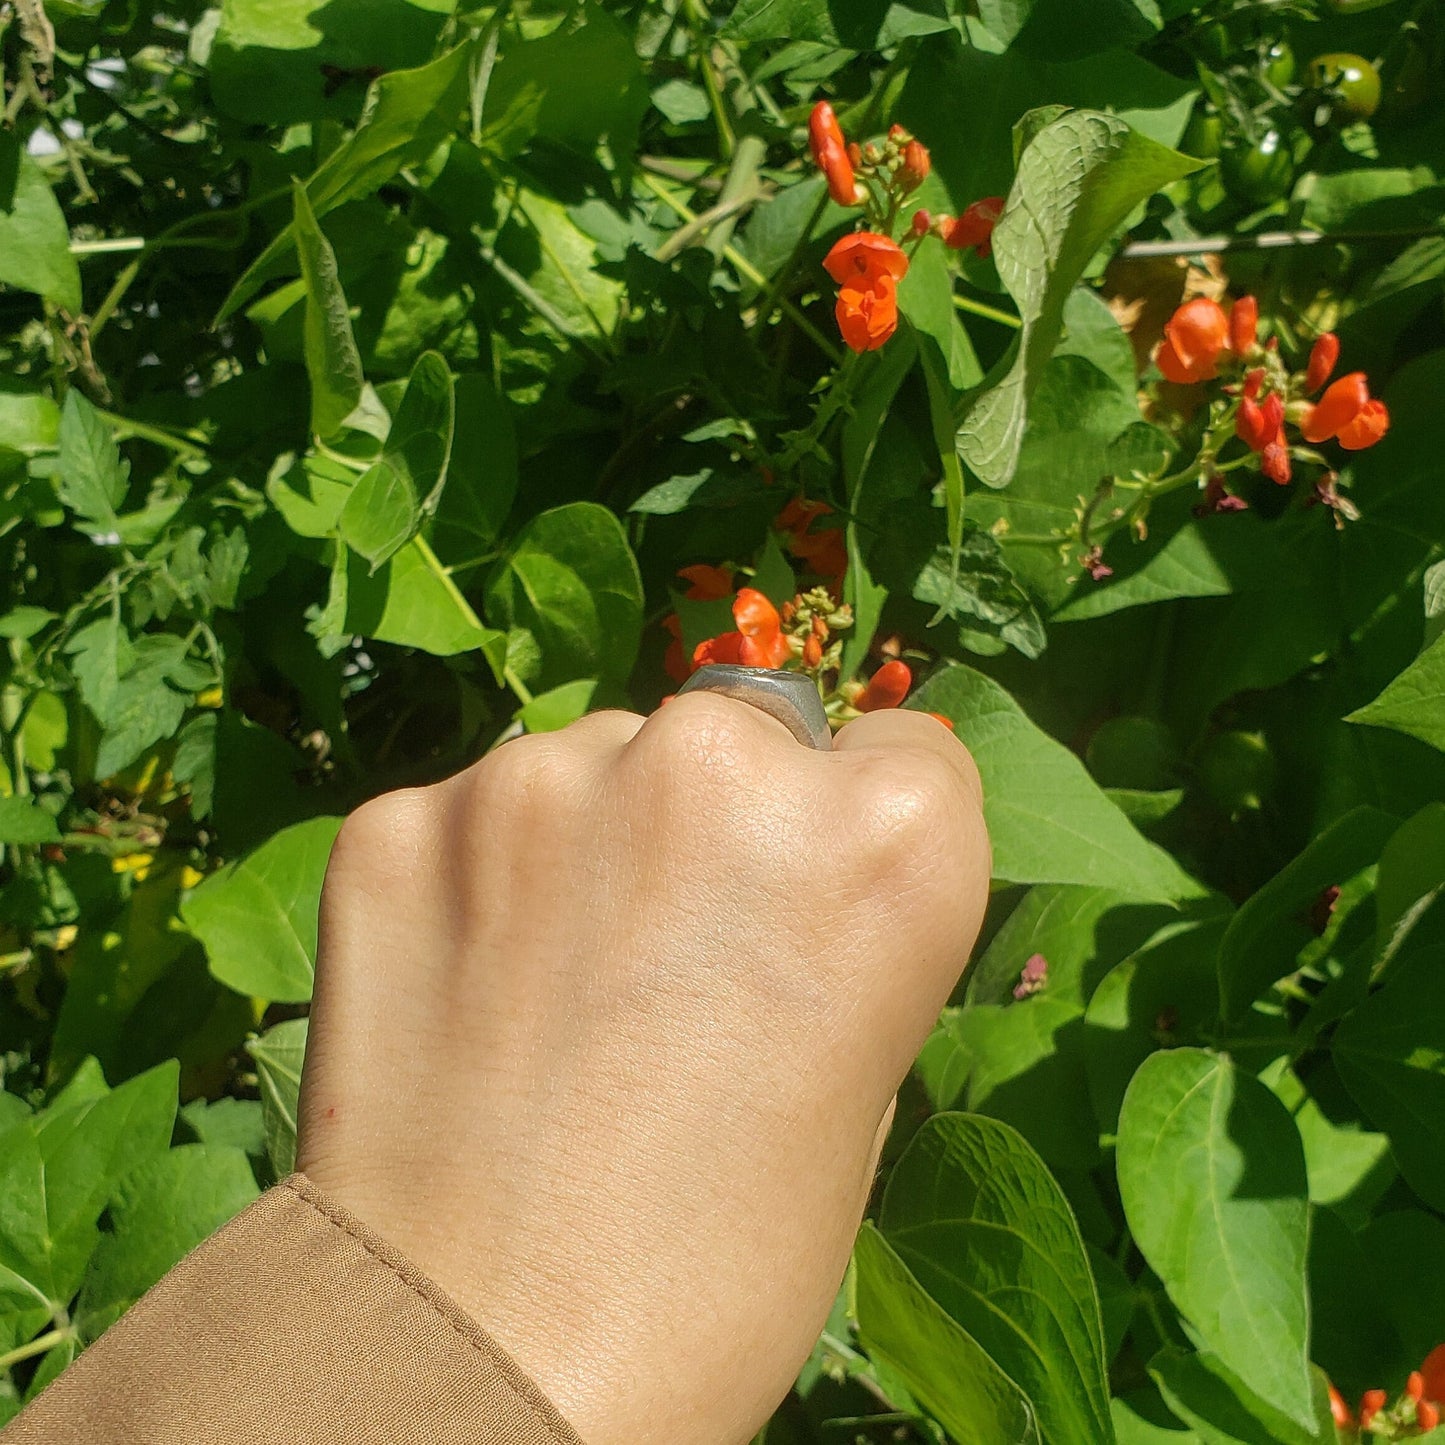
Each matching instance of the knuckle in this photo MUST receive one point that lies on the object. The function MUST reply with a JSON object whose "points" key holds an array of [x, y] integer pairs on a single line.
{"points": [[380, 828], [702, 736], [522, 775], [913, 805]]}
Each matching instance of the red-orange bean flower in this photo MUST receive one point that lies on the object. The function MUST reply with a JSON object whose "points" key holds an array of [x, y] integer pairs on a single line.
{"points": [[759, 640], [1195, 337], [1432, 1375], [1323, 356], [974, 227], [1348, 413], [830, 151], [1243, 325], [886, 688], [867, 268]]}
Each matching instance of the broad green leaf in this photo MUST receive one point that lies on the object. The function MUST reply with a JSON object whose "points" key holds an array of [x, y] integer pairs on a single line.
{"points": [[58, 1170], [386, 507], [552, 710], [257, 916], [99, 653], [407, 115], [161, 1212], [1415, 702], [150, 700], [574, 85], [1411, 874], [1406, 1251], [1224, 1411], [943, 1366], [978, 1219], [34, 239], [1056, 28], [23, 820], [90, 477], [1163, 993], [482, 475], [571, 581], [310, 492], [1212, 1179], [279, 1054], [332, 361], [1266, 935], [227, 1121], [269, 62], [29, 421], [413, 601], [1391, 1054], [1048, 820], [856, 24], [1133, 1427], [1078, 178]]}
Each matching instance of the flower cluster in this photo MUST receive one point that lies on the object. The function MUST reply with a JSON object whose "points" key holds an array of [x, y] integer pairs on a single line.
{"points": [[1418, 1410], [869, 264], [1202, 341]]}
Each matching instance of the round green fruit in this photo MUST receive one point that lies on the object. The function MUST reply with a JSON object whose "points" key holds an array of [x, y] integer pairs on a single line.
{"points": [[1276, 63], [1259, 171], [1204, 135], [1352, 82], [1238, 772]]}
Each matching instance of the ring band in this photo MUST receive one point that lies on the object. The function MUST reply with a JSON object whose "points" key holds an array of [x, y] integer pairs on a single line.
{"points": [[790, 697]]}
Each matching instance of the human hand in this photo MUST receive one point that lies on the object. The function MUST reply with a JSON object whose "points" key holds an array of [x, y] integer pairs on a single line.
{"points": [[607, 1030]]}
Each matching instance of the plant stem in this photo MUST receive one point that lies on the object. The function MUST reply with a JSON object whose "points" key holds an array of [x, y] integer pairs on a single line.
{"points": [[37, 1346], [989, 313]]}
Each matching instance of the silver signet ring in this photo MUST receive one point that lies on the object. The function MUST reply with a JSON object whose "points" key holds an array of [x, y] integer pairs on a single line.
{"points": [[790, 697]]}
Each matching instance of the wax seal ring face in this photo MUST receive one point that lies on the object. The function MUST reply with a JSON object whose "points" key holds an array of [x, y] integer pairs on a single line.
{"points": [[790, 697]]}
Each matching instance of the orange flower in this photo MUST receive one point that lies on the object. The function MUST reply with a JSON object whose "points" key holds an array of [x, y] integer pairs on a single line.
{"points": [[1323, 356], [1348, 413], [1194, 339], [759, 640], [886, 688], [863, 258], [1256, 425], [1340, 1412], [1274, 463], [674, 663], [1371, 1403], [867, 316], [1432, 1373], [825, 140], [1243, 325], [827, 550], [706, 583], [975, 226], [1427, 1414], [916, 165]]}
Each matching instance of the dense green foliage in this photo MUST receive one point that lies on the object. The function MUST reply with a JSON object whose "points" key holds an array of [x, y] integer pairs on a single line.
{"points": [[372, 370]]}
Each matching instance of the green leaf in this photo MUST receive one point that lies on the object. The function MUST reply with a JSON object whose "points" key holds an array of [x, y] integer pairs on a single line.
{"points": [[149, 703], [90, 477], [979, 1220], [1391, 1054], [482, 476], [1078, 179], [552, 710], [161, 1212], [1411, 874], [257, 916], [408, 113], [332, 360], [1056, 28], [99, 653], [58, 1170], [1212, 1179], [943, 1366], [412, 601], [1415, 702], [856, 24], [23, 820], [385, 509], [279, 1054], [571, 581], [1266, 935], [1223, 1410], [34, 239], [1048, 820]]}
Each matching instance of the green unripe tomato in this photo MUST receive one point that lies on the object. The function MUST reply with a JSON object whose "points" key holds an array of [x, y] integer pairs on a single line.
{"points": [[1259, 171], [1238, 772], [1350, 79], [1213, 43], [1204, 134], [1276, 63]]}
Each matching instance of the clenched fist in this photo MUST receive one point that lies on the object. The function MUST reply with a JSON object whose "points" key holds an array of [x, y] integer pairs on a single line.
{"points": [[607, 1031]]}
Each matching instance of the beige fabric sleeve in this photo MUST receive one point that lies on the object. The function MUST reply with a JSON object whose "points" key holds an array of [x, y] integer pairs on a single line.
{"points": [[292, 1324]]}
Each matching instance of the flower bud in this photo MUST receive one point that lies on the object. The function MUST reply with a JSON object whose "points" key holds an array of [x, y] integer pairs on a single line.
{"points": [[1323, 356], [1243, 325], [916, 165], [825, 140], [812, 652], [1427, 1415], [1371, 1403], [921, 225], [886, 688]]}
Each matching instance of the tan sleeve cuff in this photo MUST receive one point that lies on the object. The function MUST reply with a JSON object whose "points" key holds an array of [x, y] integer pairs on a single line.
{"points": [[293, 1323]]}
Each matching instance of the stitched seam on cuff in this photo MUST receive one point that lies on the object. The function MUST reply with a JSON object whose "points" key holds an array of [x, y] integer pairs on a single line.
{"points": [[522, 1385]]}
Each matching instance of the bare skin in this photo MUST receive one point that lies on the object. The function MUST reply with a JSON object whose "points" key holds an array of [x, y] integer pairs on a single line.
{"points": [[608, 1028]]}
